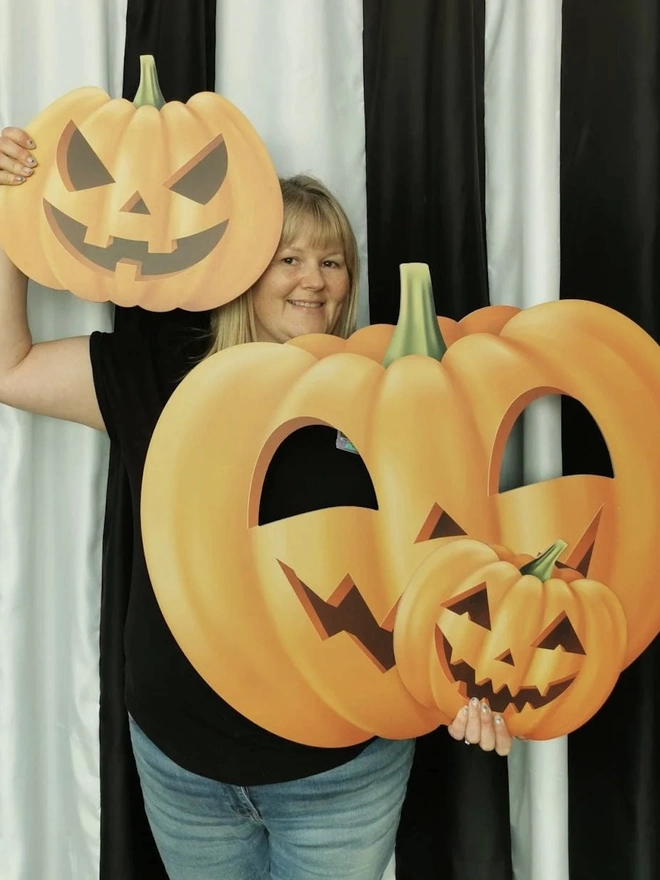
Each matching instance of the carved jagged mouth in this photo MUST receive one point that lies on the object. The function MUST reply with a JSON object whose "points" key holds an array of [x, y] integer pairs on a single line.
{"points": [[346, 612], [498, 701], [188, 251]]}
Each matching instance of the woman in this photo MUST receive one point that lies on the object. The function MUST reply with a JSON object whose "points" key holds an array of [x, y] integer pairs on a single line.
{"points": [[225, 798]]}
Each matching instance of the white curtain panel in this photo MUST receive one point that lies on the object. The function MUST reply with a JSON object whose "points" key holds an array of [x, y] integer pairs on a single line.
{"points": [[52, 494], [522, 102], [294, 67]]}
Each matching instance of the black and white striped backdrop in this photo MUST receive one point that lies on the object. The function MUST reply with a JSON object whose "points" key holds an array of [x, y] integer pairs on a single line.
{"points": [[511, 144]]}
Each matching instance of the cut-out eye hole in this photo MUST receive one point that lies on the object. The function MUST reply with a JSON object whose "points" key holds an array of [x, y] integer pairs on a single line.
{"points": [[201, 178], [474, 603], [308, 472], [589, 456], [79, 165], [561, 634], [439, 525]]}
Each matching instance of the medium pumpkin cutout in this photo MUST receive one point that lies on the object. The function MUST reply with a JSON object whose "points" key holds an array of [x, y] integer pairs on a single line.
{"points": [[298, 634], [156, 204]]}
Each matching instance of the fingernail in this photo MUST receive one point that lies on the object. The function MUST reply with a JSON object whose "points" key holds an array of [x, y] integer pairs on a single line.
{"points": [[485, 708], [32, 161], [31, 144], [19, 179], [498, 719], [27, 171], [464, 710], [474, 701]]}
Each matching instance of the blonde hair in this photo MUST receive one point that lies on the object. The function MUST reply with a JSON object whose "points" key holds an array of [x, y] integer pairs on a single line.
{"points": [[306, 201]]}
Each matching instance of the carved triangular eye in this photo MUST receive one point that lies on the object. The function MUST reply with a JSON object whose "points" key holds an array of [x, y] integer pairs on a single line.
{"points": [[561, 634], [81, 169], [439, 525], [201, 178], [474, 603]]}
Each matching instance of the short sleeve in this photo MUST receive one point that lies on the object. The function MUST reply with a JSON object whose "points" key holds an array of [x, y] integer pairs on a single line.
{"points": [[132, 383]]}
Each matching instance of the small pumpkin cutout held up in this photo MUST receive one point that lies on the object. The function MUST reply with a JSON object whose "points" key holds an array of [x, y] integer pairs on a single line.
{"points": [[545, 651], [149, 203]]}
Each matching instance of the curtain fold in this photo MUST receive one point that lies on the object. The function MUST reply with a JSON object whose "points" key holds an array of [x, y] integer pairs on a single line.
{"points": [[182, 39], [610, 244], [52, 477], [522, 111], [424, 110]]}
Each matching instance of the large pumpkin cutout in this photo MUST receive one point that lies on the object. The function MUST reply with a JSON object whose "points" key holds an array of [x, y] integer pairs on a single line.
{"points": [[294, 622], [156, 204]]}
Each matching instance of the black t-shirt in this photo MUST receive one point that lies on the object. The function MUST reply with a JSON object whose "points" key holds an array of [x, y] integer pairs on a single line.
{"points": [[134, 375]]}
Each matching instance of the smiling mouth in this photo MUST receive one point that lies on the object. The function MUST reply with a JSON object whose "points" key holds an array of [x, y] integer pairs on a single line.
{"points": [[187, 252], [501, 700], [305, 304]]}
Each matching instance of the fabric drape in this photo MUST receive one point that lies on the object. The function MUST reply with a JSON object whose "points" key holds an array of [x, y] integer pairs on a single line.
{"points": [[424, 110], [610, 245], [182, 39], [52, 478]]}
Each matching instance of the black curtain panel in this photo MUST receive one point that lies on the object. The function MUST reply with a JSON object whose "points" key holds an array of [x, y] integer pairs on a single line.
{"points": [[610, 224], [424, 105], [181, 36]]}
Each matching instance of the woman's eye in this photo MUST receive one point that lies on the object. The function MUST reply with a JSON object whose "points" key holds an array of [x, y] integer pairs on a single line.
{"points": [[333, 264], [288, 260]]}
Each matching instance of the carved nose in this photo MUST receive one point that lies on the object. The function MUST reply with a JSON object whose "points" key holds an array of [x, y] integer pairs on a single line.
{"points": [[136, 205], [506, 657]]}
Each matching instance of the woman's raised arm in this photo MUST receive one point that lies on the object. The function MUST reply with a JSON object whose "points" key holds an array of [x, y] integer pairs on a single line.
{"points": [[49, 378]]}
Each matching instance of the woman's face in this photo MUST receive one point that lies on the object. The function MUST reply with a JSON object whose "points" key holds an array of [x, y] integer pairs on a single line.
{"points": [[302, 291]]}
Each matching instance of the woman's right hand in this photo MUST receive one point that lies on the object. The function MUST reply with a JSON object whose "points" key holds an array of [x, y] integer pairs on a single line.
{"points": [[17, 163]]}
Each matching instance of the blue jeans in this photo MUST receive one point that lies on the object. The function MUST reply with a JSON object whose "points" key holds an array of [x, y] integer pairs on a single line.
{"points": [[341, 823]]}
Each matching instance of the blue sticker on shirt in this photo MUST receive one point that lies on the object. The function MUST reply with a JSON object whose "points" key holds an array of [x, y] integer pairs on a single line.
{"points": [[345, 444]]}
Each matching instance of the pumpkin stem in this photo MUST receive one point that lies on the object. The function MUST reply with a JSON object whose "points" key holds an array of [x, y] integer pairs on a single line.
{"points": [[417, 330], [149, 93], [543, 565]]}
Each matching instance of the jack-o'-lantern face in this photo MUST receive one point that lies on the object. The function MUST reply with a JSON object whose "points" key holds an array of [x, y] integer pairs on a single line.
{"points": [[473, 606], [298, 634], [544, 646], [198, 181], [156, 204]]}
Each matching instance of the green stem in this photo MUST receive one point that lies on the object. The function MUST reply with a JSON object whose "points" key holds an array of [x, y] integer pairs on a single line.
{"points": [[543, 565], [417, 330], [149, 93]]}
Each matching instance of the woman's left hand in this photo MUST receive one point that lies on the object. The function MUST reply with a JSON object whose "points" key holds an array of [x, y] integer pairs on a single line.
{"points": [[475, 724]]}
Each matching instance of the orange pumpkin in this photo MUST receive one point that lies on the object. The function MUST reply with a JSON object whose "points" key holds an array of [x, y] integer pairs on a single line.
{"points": [[156, 204], [544, 650], [274, 636], [448, 424]]}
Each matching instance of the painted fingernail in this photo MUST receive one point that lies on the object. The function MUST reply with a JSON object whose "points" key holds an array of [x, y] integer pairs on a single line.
{"points": [[485, 708], [27, 171], [474, 701], [31, 144], [464, 710], [32, 161], [498, 719], [19, 179]]}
